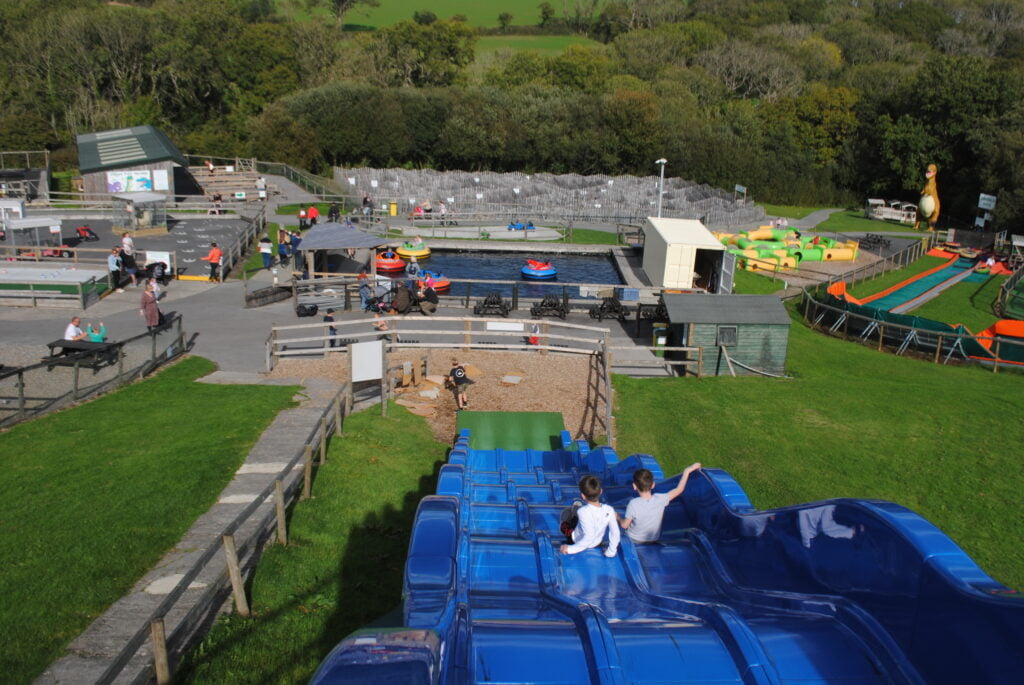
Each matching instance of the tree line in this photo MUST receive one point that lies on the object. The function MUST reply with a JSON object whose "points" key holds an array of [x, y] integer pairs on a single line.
{"points": [[801, 101]]}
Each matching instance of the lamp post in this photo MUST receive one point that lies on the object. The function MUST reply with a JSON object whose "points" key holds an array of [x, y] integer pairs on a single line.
{"points": [[661, 182]]}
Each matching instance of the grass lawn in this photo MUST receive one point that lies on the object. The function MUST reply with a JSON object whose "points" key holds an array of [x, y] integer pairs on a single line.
{"points": [[344, 562], [93, 496], [524, 12], [788, 211], [750, 283], [854, 221], [967, 303], [852, 422], [891, 278], [588, 236]]}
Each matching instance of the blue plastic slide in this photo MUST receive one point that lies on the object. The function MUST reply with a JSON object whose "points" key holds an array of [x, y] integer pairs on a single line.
{"points": [[840, 591]]}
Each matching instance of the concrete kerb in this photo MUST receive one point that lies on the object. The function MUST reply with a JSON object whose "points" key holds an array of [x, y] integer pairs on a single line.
{"points": [[91, 653]]}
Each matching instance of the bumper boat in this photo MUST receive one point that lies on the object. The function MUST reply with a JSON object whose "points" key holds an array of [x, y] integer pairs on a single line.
{"points": [[440, 281], [417, 250], [389, 261], [539, 271]]}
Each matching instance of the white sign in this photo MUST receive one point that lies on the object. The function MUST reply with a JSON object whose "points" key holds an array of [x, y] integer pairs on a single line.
{"points": [[979, 222], [351, 180], [373, 183], [367, 361], [451, 200], [230, 168], [55, 229], [479, 196], [504, 326], [154, 256], [986, 201], [240, 195], [160, 180], [741, 189]]}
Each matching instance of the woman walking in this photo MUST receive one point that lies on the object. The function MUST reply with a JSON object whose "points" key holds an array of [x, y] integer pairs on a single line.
{"points": [[149, 309]]}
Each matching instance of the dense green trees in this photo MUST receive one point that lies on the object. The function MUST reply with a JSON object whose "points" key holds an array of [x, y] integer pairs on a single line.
{"points": [[799, 100]]}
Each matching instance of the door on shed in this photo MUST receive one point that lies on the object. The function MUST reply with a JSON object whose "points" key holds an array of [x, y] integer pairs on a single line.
{"points": [[725, 277], [678, 266]]}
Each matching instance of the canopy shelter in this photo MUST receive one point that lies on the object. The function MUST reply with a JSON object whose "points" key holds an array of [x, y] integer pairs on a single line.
{"points": [[140, 211], [333, 236], [34, 231]]}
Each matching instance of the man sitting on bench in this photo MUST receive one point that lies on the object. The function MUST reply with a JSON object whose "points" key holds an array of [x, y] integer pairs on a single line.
{"points": [[74, 330]]}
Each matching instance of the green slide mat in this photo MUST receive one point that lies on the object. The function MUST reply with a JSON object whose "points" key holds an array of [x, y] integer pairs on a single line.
{"points": [[512, 430]]}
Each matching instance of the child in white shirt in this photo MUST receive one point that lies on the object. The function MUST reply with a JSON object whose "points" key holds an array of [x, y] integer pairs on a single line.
{"points": [[592, 520]]}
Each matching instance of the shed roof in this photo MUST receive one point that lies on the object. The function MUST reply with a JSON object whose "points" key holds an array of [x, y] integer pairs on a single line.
{"points": [[125, 147], [725, 309], [27, 222], [685, 232], [335, 236]]}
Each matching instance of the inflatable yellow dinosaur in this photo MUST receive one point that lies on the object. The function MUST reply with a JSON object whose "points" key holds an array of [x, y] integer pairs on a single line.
{"points": [[928, 206]]}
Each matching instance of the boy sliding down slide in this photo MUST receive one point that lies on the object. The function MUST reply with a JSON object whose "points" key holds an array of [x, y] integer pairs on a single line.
{"points": [[584, 524], [644, 513]]}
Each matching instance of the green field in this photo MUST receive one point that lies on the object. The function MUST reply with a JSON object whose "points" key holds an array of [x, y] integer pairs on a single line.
{"points": [[968, 303], [93, 496], [851, 422], [524, 12], [788, 211], [854, 221]]}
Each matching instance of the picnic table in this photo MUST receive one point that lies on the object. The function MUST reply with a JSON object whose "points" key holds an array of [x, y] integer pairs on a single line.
{"points": [[81, 352]]}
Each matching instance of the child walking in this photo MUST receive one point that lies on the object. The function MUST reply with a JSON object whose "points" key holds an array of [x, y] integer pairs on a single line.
{"points": [[644, 513], [585, 524]]}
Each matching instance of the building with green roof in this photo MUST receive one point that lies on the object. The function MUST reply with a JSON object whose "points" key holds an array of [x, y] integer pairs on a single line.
{"points": [[136, 159]]}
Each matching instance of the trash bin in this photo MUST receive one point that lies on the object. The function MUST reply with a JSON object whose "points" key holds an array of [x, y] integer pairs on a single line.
{"points": [[660, 338], [392, 209]]}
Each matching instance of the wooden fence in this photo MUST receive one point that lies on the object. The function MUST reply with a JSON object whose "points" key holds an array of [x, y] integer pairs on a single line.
{"points": [[239, 557], [30, 391]]}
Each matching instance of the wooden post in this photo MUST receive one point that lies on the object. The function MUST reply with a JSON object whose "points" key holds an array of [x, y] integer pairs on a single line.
{"points": [[938, 349], [337, 416], [323, 440], [881, 336], [235, 573], [307, 476], [995, 364], [282, 528], [161, 665], [846, 326], [21, 393], [74, 387], [467, 335], [700, 362]]}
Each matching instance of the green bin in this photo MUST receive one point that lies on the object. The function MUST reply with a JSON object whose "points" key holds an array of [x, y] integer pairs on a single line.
{"points": [[659, 338]]}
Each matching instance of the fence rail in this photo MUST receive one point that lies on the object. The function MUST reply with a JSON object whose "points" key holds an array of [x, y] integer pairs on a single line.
{"points": [[1006, 291], [287, 487], [941, 347], [30, 391]]}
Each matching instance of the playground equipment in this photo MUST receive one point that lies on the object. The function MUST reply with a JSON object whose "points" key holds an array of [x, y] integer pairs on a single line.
{"points": [[772, 249], [839, 591]]}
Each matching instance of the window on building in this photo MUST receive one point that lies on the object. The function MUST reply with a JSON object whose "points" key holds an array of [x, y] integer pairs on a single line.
{"points": [[727, 335]]}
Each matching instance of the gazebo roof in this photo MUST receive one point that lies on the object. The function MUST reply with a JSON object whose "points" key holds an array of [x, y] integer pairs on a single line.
{"points": [[335, 236]]}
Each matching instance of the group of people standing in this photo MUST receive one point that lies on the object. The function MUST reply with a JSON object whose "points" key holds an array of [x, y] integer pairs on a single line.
{"points": [[287, 245]]}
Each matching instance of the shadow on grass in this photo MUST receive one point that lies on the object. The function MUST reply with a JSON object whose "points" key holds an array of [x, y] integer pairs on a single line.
{"points": [[285, 644]]}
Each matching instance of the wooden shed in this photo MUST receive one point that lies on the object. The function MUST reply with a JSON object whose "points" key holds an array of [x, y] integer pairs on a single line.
{"points": [[136, 159], [683, 253], [740, 334]]}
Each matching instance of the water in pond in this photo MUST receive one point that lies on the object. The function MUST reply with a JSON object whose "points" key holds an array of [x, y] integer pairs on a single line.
{"points": [[507, 266]]}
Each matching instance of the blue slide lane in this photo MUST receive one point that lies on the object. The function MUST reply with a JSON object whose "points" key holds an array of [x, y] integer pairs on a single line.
{"points": [[841, 591]]}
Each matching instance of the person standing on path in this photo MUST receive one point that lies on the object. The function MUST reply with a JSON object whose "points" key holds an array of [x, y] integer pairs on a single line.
{"points": [[114, 265], [149, 309], [458, 380], [214, 258]]}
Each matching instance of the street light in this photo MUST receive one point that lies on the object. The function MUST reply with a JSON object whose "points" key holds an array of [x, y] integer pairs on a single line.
{"points": [[661, 182]]}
